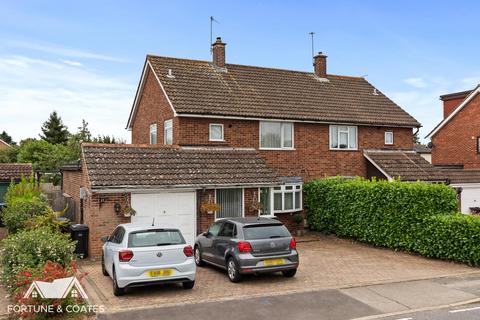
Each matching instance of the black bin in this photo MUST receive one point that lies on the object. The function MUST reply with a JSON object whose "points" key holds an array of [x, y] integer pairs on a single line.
{"points": [[79, 233]]}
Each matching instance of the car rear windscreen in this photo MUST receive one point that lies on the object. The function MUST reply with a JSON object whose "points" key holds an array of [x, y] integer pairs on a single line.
{"points": [[152, 238], [255, 232]]}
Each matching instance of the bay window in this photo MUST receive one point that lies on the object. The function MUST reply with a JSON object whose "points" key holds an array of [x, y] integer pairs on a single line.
{"points": [[287, 198], [276, 135], [343, 137]]}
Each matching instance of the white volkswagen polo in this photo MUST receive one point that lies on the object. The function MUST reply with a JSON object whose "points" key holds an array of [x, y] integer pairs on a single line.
{"points": [[139, 255]]}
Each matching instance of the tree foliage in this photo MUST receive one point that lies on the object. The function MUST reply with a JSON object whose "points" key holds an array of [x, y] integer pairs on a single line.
{"points": [[7, 138], [54, 131], [44, 155]]}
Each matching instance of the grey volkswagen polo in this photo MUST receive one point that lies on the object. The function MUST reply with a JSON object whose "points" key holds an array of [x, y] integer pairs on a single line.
{"points": [[246, 246]]}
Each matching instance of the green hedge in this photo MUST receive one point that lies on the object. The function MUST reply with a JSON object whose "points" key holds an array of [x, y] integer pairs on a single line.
{"points": [[419, 217]]}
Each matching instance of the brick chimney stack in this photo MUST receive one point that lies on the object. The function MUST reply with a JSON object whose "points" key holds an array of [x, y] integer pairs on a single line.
{"points": [[320, 65], [218, 49]]}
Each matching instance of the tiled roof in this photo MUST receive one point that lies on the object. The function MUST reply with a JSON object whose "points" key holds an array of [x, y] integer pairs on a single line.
{"points": [[463, 175], [197, 87], [420, 148], [15, 171], [406, 165], [145, 166]]}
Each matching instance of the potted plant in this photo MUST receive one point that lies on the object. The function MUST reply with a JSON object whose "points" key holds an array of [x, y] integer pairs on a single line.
{"points": [[298, 219], [129, 211], [210, 208]]}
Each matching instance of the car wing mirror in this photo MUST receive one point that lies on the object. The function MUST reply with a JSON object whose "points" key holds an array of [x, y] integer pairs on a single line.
{"points": [[104, 239]]}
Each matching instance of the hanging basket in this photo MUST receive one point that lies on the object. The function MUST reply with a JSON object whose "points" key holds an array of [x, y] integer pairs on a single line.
{"points": [[209, 208]]}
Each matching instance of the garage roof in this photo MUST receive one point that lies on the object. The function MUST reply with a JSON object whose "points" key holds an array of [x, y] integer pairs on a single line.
{"points": [[151, 167], [406, 165]]}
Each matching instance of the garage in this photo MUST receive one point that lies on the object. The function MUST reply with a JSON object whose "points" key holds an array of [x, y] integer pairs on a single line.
{"points": [[169, 209]]}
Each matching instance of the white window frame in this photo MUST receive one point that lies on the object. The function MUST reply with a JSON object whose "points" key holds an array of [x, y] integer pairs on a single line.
{"points": [[338, 137], [295, 188], [167, 125], [386, 134], [270, 200], [210, 132], [281, 136], [153, 130]]}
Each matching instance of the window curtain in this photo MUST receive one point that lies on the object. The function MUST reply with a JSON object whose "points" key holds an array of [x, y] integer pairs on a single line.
{"points": [[271, 135], [231, 203]]}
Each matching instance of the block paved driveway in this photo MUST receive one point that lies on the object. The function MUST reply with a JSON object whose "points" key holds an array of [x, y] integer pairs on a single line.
{"points": [[325, 262]]}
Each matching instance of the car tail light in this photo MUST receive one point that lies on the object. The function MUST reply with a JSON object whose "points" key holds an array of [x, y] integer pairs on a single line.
{"points": [[293, 244], [244, 247], [188, 251], [125, 255]]}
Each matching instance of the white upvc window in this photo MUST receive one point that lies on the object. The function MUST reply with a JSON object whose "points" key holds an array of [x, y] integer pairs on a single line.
{"points": [[286, 198], [168, 132], [388, 137], [153, 133], [276, 135], [343, 137], [216, 132]]}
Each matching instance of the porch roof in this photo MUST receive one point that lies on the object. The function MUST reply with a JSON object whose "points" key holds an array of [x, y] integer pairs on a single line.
{"points": [[154, 167]]}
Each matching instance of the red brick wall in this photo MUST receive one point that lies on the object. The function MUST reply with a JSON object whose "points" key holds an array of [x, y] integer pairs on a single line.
{"points": [[152, 108], [456, 142], [311, 157], [450, 105], [204, 219], [102, 219]]}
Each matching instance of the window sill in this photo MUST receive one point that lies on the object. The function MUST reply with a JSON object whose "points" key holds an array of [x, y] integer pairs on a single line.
{"points": [[216, 140], [289, 211], [277, 149], [344, 149]]}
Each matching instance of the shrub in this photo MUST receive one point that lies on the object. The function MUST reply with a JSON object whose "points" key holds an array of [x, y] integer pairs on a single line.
{"points": [[47, 272], [419, 217], [20, 210], [31, 248], [27, 188]]}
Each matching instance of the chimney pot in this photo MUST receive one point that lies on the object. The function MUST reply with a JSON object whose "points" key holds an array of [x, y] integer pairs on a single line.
{"points": [[218, 50], [320, 65]]}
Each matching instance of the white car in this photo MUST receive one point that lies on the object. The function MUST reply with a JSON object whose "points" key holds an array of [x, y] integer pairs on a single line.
{"points": [[139, 255]]}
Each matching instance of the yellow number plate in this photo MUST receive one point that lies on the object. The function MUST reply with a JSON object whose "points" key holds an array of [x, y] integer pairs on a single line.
{"points": [[160, 273], [273, 262]]}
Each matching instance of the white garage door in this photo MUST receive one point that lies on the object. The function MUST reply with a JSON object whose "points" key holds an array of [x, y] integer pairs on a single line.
{"points": [[170, 209], [470, 197]]}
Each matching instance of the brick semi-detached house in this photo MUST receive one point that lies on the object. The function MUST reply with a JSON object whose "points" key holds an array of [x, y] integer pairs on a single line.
{"points": [[245, 138]]}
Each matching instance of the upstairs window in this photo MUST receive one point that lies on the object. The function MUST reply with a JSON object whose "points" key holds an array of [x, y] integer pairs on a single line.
{"points": [[389, 137], [343, 137], [153, 133], [216, 132], [168, 132], [276, 135]]}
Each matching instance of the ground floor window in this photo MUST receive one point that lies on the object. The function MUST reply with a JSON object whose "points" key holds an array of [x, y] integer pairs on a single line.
{"points": [[286, 198], [230, 202]]}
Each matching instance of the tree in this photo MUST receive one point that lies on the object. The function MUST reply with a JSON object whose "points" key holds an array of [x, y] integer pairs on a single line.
{"points": [[108, 140], [54, 131], [84, 133], [416, 138], [7, 138], [9, 155], [74, 142], [44, 155]]}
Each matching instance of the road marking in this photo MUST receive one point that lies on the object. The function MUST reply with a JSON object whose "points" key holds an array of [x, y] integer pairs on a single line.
{"points": [[405, 319], [463, 310]]}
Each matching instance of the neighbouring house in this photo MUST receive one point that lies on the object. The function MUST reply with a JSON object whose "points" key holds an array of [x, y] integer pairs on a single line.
{"points": [[424, 151], [4, 145], [455, 140], [455, 145], [243, 137], [12, 172]]}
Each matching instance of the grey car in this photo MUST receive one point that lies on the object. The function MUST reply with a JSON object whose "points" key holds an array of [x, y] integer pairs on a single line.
{"points": [[246, 246]]}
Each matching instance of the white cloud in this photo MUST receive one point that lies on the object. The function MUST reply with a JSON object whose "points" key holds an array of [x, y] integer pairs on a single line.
{"points": [[63, 51], [32, 88], [416, 82], [73, 63]]}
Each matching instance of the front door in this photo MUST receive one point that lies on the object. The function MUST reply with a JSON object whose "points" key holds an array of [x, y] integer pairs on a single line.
{"points": [[230, 202]]}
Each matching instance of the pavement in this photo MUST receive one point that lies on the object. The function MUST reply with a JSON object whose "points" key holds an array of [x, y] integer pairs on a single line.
{"points": [[439, 298]]}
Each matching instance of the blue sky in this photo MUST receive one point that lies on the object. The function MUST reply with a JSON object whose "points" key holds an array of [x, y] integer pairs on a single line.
{"points": [[84, 58]]}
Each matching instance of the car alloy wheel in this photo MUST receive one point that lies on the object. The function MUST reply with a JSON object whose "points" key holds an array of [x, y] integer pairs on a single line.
{"points": [[198, 256], [231, 269]]}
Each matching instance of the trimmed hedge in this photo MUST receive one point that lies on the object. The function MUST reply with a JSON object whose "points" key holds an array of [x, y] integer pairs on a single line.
{"points": [[418, 217]]}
